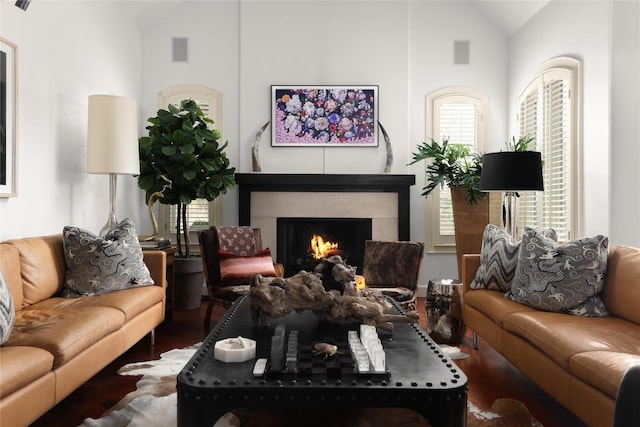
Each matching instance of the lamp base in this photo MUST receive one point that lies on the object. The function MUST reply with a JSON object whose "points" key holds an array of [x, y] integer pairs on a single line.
{"points": [[510, 213], [111, 220]]}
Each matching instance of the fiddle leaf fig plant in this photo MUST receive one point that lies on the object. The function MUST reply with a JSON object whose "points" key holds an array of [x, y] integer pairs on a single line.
{"points": [[452, 164], [183, 159]]}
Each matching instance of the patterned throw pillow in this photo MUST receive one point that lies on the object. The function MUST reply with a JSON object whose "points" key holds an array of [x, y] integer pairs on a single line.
{"points": [[7, 313], [498, 260], [239, 269], [566, 278], [97, 265], [239, 240]]}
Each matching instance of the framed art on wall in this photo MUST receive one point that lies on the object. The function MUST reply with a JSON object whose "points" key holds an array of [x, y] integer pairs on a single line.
{"points": [[324, 116], [8, 118]]}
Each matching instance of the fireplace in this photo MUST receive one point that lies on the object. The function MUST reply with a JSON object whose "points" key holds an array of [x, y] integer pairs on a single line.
{"points": [[264, 199], [295, 235]]}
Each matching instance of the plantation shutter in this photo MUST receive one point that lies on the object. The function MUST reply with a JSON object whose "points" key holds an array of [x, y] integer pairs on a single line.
{"points": [[545, 112], [459, 114], [459, 122]]}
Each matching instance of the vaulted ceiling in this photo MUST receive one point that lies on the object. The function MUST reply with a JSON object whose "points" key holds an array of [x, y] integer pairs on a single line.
{"points": [[508, 15]]}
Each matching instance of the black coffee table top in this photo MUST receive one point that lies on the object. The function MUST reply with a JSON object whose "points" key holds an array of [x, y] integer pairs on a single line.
{"points": [[420, 375]]}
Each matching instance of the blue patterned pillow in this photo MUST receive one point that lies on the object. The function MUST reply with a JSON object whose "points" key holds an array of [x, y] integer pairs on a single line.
{"points": [[97, 265], [566, 278], [498, 260], [7, 313]]}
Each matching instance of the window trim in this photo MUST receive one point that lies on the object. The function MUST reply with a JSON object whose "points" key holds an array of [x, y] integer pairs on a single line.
{"points": [[435, 242], [572, 66]]}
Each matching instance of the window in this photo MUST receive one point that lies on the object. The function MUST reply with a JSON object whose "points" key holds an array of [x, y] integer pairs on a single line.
{"points": [[200, 212], [548, 109], [459, 114]]}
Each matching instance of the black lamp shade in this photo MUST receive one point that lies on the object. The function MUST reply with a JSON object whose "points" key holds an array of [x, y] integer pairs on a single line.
{"points": [[512, 171]]}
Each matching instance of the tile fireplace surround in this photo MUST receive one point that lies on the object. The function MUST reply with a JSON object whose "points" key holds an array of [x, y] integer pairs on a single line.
{"points": [[263, 198]]}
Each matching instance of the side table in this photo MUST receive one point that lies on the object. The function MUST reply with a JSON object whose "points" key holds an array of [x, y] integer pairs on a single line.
{"points": [[170, 264], [444, 306]]}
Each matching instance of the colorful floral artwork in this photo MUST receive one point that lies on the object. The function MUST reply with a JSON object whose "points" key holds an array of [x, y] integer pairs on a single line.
{"points": [[324, 115]]}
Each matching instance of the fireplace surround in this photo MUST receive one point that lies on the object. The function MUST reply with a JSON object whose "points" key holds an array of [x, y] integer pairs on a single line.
{"points": [[384, 199]]}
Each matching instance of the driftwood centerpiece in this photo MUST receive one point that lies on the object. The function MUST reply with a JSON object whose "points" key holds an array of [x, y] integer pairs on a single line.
{"points": [[329, 292]]}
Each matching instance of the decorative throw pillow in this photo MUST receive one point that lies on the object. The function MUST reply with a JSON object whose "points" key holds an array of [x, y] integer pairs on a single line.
{"points": [[7, 313], [498, 260], [239, 240], [97, 265], [566, 278], [239, 269]]}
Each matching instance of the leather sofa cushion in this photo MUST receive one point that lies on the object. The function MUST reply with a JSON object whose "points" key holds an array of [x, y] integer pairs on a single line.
{"points": [[131, 302], [602, 369], [621, 292], [64, 333], [562, 336], [10, 266], [493, 304], [20, 366], [42, 267]]}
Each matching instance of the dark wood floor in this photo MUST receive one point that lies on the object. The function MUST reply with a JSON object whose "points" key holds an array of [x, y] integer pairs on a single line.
{"points": [[490, 376]]}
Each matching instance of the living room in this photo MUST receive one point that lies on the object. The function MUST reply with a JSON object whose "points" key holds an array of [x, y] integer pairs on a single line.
{"points": [[68, 50]]}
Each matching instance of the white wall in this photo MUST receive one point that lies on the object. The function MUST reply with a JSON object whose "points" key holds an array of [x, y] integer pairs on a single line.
{"points": [[66, 52], [579, 29], [404, 47]]}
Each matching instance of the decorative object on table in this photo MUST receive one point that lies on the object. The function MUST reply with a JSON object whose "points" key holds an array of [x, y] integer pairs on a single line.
{"points": [[511, 172], [331, 296], [155, 244], [444, 311], [9, 119], [324, 116], [183, 151], [112, 135], [155, 400], [458, 168], [565, 278], [98, 265], [234, 350], [154, 236]]}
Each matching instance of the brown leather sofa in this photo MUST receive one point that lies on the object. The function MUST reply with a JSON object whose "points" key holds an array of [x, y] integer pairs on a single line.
{"points": [[57, 343], [580, 361]]}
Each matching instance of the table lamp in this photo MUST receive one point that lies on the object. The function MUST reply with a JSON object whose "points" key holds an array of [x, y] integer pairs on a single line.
{"points": [[112, 143], [510, 172]]}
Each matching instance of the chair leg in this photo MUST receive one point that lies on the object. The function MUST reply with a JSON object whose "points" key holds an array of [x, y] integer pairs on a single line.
{"points": [[475, 341], [152, 336], [207, 316]]}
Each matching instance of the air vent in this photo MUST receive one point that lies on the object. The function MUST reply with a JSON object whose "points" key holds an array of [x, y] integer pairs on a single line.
{"points": [[180, 49], [461, 52]]}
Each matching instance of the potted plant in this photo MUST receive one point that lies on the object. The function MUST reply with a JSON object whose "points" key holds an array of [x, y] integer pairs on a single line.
{"points": [[459, 168], [183, 159]]}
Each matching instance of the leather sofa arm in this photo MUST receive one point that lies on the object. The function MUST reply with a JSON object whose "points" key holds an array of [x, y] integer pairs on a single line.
{"points": [[157, 264], [470, 264]]}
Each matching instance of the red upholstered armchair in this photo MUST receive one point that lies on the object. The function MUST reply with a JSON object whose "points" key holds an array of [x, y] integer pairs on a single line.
{"points": [[231, 255]]}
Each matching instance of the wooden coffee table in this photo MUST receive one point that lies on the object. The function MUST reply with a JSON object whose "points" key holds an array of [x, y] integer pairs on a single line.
{"points": [[419, 375]]}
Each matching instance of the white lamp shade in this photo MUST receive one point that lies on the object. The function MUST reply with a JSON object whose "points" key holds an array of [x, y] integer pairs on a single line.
{"points": [[112, 135]]}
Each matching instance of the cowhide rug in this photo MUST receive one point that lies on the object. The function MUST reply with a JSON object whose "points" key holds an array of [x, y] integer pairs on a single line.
{"points": [[154, 403]]}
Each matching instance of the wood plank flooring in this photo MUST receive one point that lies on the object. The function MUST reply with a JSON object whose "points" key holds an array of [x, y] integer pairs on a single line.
{"points": [[490, 376]]}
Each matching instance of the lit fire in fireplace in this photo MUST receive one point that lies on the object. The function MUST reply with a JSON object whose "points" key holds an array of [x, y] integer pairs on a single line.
{"points": [[321, 249]]}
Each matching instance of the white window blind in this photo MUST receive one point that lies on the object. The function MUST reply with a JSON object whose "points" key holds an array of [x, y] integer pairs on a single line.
{"points": [[548, 112], [455, 113], [200, 213]]}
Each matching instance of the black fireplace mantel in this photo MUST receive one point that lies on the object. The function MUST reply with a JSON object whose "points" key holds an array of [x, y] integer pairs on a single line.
{"points": [[400, 184]]}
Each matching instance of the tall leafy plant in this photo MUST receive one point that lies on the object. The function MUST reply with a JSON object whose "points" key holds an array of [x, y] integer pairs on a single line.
{"points": [[452, 164], [183, 159]]}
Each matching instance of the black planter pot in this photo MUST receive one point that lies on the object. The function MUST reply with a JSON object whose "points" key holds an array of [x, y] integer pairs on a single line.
{"points": [[189, 279]]}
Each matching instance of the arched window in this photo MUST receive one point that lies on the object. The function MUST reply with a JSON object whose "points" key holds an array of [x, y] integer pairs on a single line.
{"points": [[461, 115], [548, 110], [200, 213]]}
